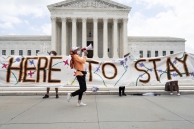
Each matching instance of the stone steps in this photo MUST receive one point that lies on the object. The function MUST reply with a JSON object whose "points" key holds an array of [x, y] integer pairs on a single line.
{"points": [[89, 88], [30, 91]]}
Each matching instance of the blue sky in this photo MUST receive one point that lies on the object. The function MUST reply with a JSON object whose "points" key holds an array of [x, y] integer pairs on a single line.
{"points": [[174, 18]]}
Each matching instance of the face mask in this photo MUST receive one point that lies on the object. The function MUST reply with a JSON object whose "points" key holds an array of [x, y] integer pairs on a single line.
{"points": [[52, 54]]}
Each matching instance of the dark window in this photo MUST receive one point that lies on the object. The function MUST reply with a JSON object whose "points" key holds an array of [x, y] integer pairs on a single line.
{"points": [[141, 54], [29, 52], [148, 54], [156, 53], [171, 52], [164, 53], [3, 52], [37, 51], [21, 52], [12, 52]]}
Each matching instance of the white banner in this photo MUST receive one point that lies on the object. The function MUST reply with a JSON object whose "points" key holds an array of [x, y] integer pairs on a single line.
{"points": [[54, 71]]}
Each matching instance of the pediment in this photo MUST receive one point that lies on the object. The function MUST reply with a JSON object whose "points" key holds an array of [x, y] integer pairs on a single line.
{"points": [[101, 4]]}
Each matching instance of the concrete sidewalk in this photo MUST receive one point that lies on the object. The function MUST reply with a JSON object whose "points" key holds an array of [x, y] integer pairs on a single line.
{"points": [[101, 112]]}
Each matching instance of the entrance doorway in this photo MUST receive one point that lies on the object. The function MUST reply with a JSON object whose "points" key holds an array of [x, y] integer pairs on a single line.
{"points": [[90, 52]]}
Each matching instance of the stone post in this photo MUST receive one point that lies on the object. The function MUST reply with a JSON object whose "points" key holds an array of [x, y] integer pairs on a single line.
{"points": [[125, 38], [95, 36], [115, 38], [84, 35], [64, 37], [105, 38], [54, 37], [74, 32]]}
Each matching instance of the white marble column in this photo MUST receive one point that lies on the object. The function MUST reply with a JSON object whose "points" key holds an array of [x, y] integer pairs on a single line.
{"points": [[115, 38], [54, 36], [95, 35], [105, 38], [84, 35], [125, 38], [64, 37], [74, 32]]}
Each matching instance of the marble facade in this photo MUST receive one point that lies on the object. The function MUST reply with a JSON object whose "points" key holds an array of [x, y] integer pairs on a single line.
{"points": [[100, 22]]}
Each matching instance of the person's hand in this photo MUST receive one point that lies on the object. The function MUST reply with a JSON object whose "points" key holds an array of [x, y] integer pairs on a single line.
{"points": [[85, 53]]}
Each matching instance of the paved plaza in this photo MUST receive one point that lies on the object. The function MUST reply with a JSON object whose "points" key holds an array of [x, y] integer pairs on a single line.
{"points": [[101, 112]]}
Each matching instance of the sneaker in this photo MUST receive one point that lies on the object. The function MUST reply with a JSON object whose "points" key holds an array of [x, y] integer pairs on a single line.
{"points": [[178, 94], [46, 96], [124, 94], [171, 93], [68, 96], [81, 104], [57, 96]]}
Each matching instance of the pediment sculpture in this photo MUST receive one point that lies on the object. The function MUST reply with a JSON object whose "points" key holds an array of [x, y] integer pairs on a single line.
{"points": [[90, 4]]}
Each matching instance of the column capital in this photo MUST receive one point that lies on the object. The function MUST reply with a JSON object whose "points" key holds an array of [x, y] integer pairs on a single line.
{"points": [[64, 19], [115, 19], [125, 19], [95, 19], [84, 19], [53, 18], [105, 19], [73, 19]]}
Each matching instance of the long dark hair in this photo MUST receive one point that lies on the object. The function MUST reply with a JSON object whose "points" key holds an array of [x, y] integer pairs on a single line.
{"points": [[72, 61]]}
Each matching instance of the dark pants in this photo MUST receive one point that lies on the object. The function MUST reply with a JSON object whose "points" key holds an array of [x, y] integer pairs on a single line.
{"points": [[174, 83], [82, 85]]}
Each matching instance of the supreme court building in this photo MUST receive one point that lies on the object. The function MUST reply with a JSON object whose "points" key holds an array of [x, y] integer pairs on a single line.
{"points": [[102, 23]]}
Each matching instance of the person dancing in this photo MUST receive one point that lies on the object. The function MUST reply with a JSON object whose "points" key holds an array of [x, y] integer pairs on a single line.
{"points": [[77, 63]]}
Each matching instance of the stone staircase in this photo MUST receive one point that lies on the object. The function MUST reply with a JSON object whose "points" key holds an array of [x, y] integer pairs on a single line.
{"points": [[40, 91]]}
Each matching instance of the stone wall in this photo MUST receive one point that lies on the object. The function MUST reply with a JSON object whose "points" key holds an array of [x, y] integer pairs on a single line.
{"points": [[153, 44], [24, 43]]}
